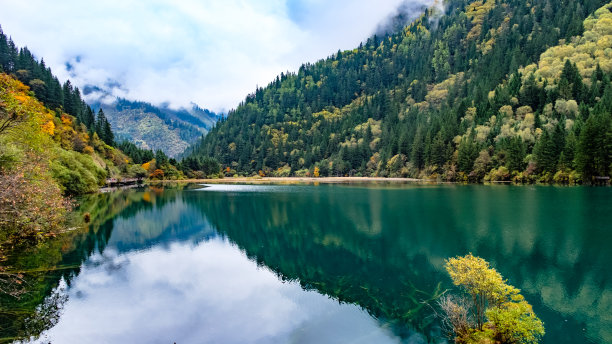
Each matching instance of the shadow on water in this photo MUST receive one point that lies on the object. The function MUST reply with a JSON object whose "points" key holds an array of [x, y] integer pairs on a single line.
{"points": [[380, 248]]}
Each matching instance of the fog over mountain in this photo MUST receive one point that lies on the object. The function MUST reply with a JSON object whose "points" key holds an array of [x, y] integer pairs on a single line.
{"points": [[210, 53]]}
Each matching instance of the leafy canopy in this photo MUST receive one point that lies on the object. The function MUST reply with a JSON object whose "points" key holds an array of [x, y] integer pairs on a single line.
{"points": [[499, 313]]}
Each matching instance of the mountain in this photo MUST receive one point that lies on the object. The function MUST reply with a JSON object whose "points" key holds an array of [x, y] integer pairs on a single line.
{"points": [[150, 127], [493, 90], [157, 128]]}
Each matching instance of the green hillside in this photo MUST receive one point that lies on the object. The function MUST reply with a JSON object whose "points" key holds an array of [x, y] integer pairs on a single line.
{"points": [[482, 90], [158, 128], [46, 155]]}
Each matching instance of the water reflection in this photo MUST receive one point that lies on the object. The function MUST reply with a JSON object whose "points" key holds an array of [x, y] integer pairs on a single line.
{"points": [[206, 293], [207, 264], [384, 248]]}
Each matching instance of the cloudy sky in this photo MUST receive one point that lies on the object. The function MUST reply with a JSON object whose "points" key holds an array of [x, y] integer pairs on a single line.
{"points": [[210, 52]]}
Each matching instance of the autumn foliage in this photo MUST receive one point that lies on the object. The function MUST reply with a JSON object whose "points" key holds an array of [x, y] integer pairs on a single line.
{"points": [[493, 312], [31, 203]]}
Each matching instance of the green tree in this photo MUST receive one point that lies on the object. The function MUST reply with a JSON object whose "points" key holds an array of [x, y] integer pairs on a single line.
{"points": [[467, 152], [593, 156], [545, 152]]}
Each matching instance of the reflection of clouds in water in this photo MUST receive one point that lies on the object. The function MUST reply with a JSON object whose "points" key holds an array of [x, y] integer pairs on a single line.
{"points": [[207, 293]]}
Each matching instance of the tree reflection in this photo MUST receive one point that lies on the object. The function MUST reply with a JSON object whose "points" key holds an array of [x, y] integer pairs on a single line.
{"points": [[380, 248], [384, 248]]}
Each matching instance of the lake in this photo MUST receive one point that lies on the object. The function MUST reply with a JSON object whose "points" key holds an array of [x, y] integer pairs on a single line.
{"points": [[311, 263]]}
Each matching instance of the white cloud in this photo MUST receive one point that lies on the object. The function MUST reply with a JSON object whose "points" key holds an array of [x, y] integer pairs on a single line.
{"points": [[212, 53]]}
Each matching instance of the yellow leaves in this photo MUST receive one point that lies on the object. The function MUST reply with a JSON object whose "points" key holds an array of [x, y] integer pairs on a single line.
{"points": [[372, 124], [48, 128], [482, 132], [22, 98], [147, 165], [476, 12], [604, 42], [277, 137], [88, 150], [476, 276], [470, 114], [603, 26], [66, 120], [592, 48], [439, 92], [506, 111], [316, 172], [528, 122], [334, 114], [569, 108], [522, 111], [500, 310]]}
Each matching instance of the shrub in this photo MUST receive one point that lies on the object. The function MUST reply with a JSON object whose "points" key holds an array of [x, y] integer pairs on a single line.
{"points": [[31, 202], [77, 173]]}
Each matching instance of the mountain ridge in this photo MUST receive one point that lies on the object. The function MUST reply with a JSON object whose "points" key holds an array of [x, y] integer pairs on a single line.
{"points": [[447, 97], [156, 127]]}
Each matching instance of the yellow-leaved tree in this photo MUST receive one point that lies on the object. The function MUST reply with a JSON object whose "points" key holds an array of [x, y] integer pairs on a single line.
{"points": [[493, 312]]}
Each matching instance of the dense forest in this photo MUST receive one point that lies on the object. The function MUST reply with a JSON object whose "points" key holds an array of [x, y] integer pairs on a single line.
{"points": [[494, 90]]}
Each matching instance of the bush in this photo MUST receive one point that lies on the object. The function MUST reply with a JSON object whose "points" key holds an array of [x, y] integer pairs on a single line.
{"points": [[284, 171], [31, 202], [500, 174], [561, 177], [157, 174], [136, 171], [302, 173], [77, 173]]}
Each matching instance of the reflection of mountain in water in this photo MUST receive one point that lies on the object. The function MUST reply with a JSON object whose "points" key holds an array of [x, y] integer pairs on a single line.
{"points": [[125, 220], [384, 248], [380, 248], [166, 218]]}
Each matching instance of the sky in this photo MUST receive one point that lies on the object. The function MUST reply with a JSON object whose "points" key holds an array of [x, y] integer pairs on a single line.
{"points": [[211, 53]]}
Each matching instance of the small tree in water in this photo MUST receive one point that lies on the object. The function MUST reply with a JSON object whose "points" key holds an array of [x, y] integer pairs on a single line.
{"points": [[493, 312]]}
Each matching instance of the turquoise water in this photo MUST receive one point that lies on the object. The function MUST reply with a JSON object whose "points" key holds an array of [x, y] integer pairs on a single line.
{"points": [[325, 264]]}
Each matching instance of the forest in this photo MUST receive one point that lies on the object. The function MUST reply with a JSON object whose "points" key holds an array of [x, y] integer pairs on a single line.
{"points": [[53, 147], [495, 90]]}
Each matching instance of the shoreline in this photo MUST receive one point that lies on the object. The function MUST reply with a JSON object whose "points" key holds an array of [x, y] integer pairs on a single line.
{"points": [[298, 180]]}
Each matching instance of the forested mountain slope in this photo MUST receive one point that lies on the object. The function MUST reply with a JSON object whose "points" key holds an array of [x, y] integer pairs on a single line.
{"points": [[491, 89], [158, 128], [44, 155], [61, 98]]}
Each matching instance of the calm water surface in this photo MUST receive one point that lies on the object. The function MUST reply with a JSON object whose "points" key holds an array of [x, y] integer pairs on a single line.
{"points": [[317, 264]]}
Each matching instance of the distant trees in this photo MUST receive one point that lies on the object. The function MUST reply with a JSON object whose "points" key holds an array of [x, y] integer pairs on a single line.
{"points": [[103, 129], [201, 167], [138, 155], [493, 312]]}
